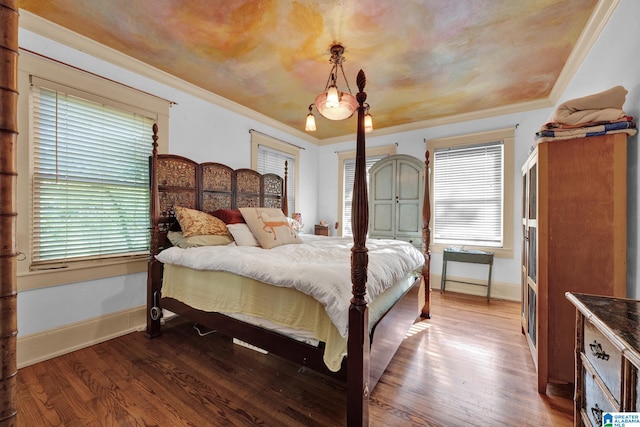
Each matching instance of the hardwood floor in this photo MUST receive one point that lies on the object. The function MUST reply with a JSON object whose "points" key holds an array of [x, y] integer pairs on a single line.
{"points": [[467, 366]]}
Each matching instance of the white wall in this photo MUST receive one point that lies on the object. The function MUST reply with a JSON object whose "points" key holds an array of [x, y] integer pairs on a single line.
{"points": [[207, 132]]}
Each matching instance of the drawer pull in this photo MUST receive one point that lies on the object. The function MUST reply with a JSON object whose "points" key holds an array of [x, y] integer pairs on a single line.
{"points": [[597, 351], [597, 414]]}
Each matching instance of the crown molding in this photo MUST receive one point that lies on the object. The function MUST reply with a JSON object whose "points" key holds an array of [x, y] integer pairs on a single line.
{"points": [[447, 120], [598, 20]]}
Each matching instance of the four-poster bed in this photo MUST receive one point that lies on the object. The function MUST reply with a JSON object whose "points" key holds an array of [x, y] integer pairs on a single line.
{"points": [[177, 181]]}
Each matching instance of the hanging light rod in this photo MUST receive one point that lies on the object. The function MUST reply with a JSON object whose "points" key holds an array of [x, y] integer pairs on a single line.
{"points": [[333, 103]]}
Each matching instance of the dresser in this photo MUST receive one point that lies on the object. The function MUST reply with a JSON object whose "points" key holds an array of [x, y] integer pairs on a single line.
{"points": [[607, 357], [574, 218]]}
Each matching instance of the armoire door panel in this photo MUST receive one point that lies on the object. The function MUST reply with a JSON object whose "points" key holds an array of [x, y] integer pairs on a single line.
{"points": [[383, 218], [384, 188], [409, 181], [409, 218]]}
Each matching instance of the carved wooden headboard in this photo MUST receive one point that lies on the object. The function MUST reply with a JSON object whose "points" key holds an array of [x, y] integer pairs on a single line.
{"points": [[212, 186], [179, 181]]}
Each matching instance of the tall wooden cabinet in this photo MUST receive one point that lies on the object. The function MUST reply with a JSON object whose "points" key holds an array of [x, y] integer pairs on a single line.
{"points": [[396, 191], [574, 240]]}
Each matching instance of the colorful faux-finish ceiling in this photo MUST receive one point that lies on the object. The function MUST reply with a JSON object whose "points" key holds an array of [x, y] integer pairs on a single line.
{"points": [[424, 59]]}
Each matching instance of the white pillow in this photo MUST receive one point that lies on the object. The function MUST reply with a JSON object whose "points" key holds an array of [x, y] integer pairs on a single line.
{"points": [[242, 235]]}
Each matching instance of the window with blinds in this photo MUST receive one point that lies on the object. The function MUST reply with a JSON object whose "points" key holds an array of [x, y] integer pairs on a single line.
{"points": [[90, 177], [349, 178], [272, 161], [468, 195]]}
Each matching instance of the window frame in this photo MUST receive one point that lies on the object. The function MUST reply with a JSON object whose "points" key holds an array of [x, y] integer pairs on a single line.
{"points": [[385, 150], [257, 139], [507, 136], [110, 92], [69, 111]]}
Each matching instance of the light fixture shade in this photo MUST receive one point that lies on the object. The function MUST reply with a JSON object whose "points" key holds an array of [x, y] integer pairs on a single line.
{"points": [[347, 105], [334, 104], [310, 126], [368, 123], [333, 99]]}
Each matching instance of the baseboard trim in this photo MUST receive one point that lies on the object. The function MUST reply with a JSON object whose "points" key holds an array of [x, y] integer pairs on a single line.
{"points": [[55, 342], [506, 291]]}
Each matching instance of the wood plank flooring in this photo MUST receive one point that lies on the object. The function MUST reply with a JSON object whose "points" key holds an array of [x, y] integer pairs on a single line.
{"points": [[467, 366]]}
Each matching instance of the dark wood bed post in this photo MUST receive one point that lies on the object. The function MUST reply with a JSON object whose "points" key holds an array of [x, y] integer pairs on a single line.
{"points": [[285, 195], [8, 173], [154, 267], [358, 346], [426, 239]]}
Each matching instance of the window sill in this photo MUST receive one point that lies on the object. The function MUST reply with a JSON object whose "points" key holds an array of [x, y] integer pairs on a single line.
{"points": [[80, 273]]}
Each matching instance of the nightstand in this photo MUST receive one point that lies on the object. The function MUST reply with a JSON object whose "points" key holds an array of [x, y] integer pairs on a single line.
{"points": [[321, 230]]}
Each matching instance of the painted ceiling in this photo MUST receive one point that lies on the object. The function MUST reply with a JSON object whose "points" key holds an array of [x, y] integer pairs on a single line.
{"points": [[424, 59]]}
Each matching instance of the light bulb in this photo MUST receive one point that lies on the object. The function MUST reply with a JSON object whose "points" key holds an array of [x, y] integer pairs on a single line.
{"points": [[310, 126], [333, 100], [368, 123]]}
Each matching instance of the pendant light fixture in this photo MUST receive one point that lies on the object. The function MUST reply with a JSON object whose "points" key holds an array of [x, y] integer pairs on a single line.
{"points": [[333, 103]]}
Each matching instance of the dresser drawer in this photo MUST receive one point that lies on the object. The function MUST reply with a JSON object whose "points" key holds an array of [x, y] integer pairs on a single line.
{"points": [[637, 380], [595, 402], [415, 241], [605, 358]]}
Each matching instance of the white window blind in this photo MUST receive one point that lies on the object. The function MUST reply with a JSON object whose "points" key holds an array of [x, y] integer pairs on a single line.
{"points": [[272, 161], [349, 178], [90, 178], [468, 194]]}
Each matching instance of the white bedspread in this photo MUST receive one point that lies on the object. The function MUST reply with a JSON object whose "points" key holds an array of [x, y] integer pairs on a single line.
{"points": [[320, 267]]}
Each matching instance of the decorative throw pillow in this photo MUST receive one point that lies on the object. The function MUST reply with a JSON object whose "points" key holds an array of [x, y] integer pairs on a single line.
{"points": [[197, 223], [242, 235], [229, 216], [270, 227], [178, 239]]}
